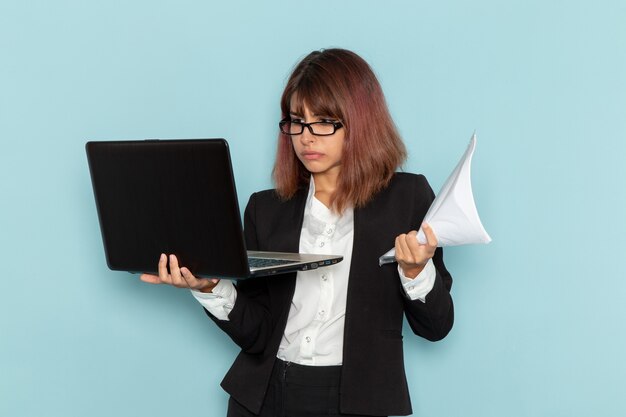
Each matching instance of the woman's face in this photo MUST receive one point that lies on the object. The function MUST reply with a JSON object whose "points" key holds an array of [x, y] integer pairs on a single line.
{"points": [[321, 155]]}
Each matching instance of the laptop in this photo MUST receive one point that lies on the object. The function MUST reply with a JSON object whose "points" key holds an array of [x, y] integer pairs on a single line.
{"points": [[178, 196]]}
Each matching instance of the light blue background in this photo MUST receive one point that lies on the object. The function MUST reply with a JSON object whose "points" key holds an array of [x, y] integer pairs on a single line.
{"points": [[539, 312]]}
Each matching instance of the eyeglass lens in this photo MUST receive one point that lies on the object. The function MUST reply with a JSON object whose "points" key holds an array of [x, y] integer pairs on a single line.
{"points": [[317, 128]]}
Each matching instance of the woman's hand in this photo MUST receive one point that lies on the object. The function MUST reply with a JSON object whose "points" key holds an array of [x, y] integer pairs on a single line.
{"points": [[411, 255], [178, 277]]}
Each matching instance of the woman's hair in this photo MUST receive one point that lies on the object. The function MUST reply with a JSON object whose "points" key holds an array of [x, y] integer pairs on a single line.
{"points": [[340, 84]]}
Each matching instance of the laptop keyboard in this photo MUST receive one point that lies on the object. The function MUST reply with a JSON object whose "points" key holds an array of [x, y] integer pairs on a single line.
{"points": [[264, 262]]}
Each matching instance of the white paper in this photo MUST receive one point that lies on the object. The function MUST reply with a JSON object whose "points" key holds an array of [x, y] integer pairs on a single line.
{"points": [[453, 215]]}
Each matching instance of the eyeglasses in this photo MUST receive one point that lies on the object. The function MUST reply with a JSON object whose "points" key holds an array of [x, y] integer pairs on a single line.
{"points": [[292, 127]]}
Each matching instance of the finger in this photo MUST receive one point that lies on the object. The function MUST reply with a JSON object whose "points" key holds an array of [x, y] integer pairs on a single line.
{"points": [[431, 238], [150, 279], [405, 253], [190, 280], [415, 252], [412, 243], [198, 283], [398, 248], [411, 248], [163, 274], [177, 279]]}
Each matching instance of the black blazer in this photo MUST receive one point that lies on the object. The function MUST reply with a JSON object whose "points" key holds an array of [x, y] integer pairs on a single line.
{"points": [[372, 379]]}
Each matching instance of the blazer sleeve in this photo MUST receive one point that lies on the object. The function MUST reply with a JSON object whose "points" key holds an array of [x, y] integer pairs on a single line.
{"points": [[249, 323], [432, 319]]}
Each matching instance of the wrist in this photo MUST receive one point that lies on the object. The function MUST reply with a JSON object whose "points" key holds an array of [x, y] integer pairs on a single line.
{"points": [[207, 289], [413, 271]]}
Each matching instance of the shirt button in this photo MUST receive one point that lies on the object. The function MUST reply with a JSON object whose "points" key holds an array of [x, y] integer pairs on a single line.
{"points": [[308, 339], [321, 244], [321, 313], [324, 277]]}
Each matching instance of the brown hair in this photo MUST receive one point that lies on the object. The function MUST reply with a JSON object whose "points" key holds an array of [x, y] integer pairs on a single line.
{"points": [[340, 84]]}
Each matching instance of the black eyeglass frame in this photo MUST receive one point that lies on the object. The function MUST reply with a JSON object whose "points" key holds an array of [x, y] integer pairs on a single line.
{"points": [[336, 125]]}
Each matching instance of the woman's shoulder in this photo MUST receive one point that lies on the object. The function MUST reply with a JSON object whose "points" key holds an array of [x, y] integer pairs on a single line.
{"points": [[264, 198], [269, 194], [270, 197], [409, 180], [404, 188]]}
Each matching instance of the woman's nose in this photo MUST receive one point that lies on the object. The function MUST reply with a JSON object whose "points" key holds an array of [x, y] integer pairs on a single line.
{"points": [[307, 136]]}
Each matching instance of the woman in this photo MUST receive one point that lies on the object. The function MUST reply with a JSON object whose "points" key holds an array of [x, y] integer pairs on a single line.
{"points": [[329, 341]]}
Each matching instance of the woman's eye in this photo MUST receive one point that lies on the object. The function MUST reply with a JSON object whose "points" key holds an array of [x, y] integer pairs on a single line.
{"points": [[296, 120]]}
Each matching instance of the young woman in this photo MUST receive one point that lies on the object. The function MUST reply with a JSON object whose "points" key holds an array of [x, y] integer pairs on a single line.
{"points": [[329, 341]]}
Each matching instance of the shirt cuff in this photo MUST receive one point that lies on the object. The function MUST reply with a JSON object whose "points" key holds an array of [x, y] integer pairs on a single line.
{"points": [[419, 287], [221, 301]]}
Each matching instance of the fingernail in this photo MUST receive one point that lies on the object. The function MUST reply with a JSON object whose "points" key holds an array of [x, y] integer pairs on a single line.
{"points": [[162, 258]]}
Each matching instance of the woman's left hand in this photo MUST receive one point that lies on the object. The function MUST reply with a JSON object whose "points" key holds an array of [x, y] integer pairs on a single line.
{"points": [[411, 255]]}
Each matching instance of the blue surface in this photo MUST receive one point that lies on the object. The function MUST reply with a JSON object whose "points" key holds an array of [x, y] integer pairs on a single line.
{"points": [[540, 311]]}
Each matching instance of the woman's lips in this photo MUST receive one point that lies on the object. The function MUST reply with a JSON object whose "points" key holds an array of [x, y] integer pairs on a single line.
{"points": [[311, 156]]}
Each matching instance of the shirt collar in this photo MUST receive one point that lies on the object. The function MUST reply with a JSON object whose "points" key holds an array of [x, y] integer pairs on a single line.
{"points": [[317, 217]]}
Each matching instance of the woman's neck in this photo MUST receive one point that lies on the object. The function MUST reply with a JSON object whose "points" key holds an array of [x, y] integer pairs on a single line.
{"points": [[325, 186]]}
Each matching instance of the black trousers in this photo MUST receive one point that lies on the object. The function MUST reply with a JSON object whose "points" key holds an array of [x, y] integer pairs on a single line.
{"points": [[298, 391]]}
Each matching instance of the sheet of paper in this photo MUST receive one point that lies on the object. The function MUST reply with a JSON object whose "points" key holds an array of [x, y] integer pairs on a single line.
{"points": [[453, 215]]}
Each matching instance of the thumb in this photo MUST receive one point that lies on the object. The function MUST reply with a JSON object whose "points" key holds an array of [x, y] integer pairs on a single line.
{"points": [[150, 279]]}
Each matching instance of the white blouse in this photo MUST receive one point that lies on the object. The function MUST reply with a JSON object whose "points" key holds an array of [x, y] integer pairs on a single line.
{"points": [[314, 331]]}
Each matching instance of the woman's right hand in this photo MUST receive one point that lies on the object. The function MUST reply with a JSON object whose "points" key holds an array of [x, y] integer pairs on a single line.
{"points": [[179, 277]]}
